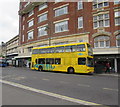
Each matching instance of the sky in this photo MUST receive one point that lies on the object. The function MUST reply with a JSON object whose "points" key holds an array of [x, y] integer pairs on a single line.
{"points": [[9, 19]]}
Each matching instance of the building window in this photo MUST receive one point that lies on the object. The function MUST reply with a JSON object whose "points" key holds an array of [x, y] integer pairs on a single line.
{"points": [[42, 6], [117, 18], [61, 26], [42, 17], [30, 35], [30, 23], [102, 42], [80, 22], [116, 2], [23, 19], [118, 40], [42, 31], [80, 4], [30, 13], [58, 1], [30, 49], [23, 27], [100, 3], [101, 20], [61, 11], [23, 38]]}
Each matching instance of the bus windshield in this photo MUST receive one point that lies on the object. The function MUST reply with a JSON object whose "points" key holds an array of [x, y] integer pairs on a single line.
{"points": [[90, 62], [90, 51]]}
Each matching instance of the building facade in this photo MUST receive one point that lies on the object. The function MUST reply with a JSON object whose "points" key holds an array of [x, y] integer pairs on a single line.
{"points": [[53, 23], [2, 49], [12, 49]]}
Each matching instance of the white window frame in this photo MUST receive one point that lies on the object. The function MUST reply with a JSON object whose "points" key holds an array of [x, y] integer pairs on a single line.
{"points": [[80, 4], [30, 34], [42, 6], [30, 23], [42, 17], [42, 31], [23, 38], [61, 11], [30, 13], [100, 2], [117, 38], [80, 20], [103, 19], [56, 1], [61, 26], [104, 41], [23, 27], [116, 2], [117, 16]]}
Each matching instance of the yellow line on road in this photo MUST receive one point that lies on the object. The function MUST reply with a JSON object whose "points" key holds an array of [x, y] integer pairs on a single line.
{"points": [[49, 93]]}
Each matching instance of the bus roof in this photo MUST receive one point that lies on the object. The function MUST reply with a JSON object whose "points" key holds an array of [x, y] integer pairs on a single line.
{"points": [[60, 45]]}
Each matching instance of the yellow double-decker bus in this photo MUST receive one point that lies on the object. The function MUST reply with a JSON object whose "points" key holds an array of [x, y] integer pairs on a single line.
{"points": [[71, 58]]}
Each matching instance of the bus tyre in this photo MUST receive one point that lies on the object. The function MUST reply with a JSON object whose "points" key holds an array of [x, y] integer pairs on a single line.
{"points": [[40, 68], [70, 70]]}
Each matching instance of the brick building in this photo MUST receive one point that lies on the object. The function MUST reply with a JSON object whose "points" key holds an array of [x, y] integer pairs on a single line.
{"points": [[53, 23]]}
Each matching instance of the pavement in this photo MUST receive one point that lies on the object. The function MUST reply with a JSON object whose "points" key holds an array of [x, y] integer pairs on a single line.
{"points": [[108, 74]]}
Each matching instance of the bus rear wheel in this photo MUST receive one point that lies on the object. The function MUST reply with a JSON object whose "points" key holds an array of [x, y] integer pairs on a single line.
{"points": [[70, 70], [40, 68]]}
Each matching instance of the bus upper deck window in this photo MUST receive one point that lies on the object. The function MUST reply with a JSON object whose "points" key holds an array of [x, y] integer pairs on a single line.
{"points": [[81, 47], [59, 49], [70, 48]]}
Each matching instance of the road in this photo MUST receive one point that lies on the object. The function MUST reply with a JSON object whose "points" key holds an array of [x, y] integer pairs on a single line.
{"points": [[58, 88]]}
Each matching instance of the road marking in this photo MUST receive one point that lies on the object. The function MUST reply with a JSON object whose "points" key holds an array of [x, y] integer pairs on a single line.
{"points": [[84, 85], [49, 93], [7, 76], [110, 89], [63, 82], [19, 78], [45, 79]]}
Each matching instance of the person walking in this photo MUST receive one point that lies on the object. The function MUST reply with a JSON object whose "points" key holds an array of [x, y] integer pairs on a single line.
{"points": [[107, 68]]}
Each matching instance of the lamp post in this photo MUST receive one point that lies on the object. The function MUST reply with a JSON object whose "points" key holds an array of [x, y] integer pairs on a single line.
{"points": [[49, 34]]}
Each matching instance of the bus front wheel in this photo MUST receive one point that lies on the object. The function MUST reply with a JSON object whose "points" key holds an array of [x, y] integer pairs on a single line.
{"points": [[40, 68], [70, 70]]}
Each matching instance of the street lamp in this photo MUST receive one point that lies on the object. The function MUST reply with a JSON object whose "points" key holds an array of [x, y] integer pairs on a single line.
{"points": [[49, 34]]}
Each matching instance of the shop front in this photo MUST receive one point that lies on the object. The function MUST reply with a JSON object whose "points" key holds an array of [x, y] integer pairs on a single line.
{"points": [[22, 61], [102, 62]]}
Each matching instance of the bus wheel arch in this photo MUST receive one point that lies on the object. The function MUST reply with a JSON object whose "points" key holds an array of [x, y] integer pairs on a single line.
{"points": [[40, 68], [70, 70]]}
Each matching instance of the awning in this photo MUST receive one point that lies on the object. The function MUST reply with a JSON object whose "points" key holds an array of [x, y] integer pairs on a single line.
{"points": [[18, 57]]}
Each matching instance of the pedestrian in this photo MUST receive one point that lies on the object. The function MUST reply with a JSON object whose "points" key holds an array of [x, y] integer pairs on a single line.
{"points": [[107, 68]]}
